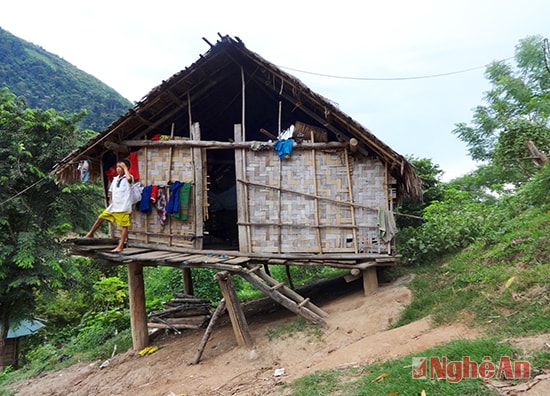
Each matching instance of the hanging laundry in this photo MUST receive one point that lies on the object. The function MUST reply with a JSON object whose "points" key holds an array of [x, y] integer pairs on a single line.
{"points": [[145, 205], [386, 225], [174, 201], [283, 147], [154, 193], [134, 165], [184, 196], [83, 167], [161, 205]]}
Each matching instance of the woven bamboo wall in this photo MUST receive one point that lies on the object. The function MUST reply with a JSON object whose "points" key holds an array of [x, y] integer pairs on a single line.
{"points": [[286, 216], [313, 202], [154, 165]]}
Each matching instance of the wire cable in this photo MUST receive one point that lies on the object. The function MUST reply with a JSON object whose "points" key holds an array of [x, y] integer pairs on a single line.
{"points": [[392, 78], [23, 191]]}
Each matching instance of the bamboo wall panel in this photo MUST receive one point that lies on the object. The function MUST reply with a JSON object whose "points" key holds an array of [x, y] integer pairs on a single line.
{"points": [[298, 229], [154, 164], [282, 200]]}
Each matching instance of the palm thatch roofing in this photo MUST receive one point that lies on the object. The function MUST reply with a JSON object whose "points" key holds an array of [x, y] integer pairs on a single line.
{"points": [[231, 85]]}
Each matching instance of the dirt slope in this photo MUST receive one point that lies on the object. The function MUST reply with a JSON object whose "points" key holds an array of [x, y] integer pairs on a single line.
{"points": [[357, 334]]}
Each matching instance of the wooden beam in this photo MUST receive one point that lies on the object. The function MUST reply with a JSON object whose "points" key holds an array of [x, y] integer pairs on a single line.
{"points": [[119, 148], [353, 145], [285, 300], [214, 144], [266, 256]]}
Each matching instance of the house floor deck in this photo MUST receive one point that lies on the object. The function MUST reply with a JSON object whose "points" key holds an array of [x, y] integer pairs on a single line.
{"points": [[225, 260]]}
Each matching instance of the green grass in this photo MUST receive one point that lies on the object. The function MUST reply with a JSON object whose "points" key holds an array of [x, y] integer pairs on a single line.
{"points": [[395, 376], [500, 286]]}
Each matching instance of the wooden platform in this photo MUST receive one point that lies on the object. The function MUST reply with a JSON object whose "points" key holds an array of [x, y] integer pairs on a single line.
{"points": [[362, 265], [223, 260]]}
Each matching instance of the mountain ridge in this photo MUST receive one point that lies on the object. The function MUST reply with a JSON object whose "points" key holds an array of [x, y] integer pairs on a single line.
{"points": [[47, 81]]}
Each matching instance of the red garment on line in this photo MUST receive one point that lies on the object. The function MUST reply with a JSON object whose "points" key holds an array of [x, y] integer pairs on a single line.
{"points": [[134, 167]]}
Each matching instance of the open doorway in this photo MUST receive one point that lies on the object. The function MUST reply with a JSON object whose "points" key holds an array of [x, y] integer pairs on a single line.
{"points": [[221, 226]]}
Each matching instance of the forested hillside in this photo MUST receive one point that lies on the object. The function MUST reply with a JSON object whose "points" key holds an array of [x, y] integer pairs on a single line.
{"points": [[47, 81]]}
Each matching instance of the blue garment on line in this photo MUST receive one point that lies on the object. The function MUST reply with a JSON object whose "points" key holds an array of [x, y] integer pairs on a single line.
{"points": [[173, 205], [145, 205], [283, 147]]}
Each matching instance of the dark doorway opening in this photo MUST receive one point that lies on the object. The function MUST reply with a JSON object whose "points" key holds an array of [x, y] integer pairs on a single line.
{"points": [[221, 226]]}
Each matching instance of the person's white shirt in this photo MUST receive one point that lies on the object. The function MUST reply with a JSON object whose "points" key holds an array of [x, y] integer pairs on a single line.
{"points": [[120, 195]]}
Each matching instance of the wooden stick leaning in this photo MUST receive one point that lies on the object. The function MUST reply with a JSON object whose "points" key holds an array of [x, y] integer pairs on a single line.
{"points": [[217, 313]]}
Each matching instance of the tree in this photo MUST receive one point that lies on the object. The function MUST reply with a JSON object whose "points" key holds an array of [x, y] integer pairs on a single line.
{"points": [[33, 209], [517, 111], [432, 189]]}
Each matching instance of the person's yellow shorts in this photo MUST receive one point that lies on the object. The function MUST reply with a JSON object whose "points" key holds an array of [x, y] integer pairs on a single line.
{"points": [[121, 218]]}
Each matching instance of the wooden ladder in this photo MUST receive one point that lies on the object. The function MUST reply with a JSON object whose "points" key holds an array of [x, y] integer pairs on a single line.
{"points": [[283, 295]]}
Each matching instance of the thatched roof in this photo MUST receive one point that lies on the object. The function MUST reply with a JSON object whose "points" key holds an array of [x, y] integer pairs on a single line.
{"points": [[210, 92]]}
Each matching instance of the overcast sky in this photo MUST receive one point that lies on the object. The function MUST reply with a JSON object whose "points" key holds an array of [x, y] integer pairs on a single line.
{"points": [[134, 45]]}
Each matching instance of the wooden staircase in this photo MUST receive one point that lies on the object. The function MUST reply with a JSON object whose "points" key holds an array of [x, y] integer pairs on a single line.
{"points": [[283, 295]]}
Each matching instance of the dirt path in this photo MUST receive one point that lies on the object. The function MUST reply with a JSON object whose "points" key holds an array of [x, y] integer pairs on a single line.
{"points": [[357, 334]]}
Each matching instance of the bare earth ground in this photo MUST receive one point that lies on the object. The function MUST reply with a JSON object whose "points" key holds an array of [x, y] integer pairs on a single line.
{"points": [[357, 334]]}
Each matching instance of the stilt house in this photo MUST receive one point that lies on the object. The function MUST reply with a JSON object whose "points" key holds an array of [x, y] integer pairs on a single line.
{"points": [[267, 171]]}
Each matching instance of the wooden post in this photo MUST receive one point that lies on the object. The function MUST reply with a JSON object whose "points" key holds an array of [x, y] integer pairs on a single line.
{"points": [[370, 280], [187, 281], [138, 315], [238, 321], [198, 179]]}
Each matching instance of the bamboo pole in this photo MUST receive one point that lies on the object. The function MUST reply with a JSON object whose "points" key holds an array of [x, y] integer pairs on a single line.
{"points": [[218, 145], [189, 114], [146, 222], [389, 202], [243, 212], [342, 203], [279, 209], [279, 193], [352, 208], [316, 192], [171, 152], [198, 180], [243, 105]]}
